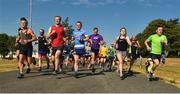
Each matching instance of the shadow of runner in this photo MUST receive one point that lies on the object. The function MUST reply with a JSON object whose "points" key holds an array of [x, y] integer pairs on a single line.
{"points": [[80, 74], [156, 79]]}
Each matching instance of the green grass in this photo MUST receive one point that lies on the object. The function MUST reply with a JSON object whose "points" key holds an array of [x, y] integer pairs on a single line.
{"points": [[169, 71], [8, 65]]}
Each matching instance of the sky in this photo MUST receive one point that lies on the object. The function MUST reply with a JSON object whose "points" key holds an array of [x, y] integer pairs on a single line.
{"points": [[108, 15]]}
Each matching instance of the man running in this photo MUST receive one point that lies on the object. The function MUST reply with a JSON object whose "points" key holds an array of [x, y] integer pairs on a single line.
{"points": [[157, 41], [42, 49], [57, 35], [95, 39], [79, 38], [133, 51], [110, 56], [25, 39], [17, 45], [67, 52]]}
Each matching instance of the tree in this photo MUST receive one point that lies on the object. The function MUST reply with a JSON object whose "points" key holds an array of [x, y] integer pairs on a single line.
{"points": [[65, 23], [4, 45], [11, 42]]}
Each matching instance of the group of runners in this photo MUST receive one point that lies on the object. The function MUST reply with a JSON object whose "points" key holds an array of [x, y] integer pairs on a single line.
{"points": [[83, 49]]}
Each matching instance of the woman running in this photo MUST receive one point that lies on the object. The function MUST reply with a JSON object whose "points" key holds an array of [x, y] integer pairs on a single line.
{"points": [[122, 42]]}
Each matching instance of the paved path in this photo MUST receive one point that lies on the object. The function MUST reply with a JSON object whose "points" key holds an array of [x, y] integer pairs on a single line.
{"points": [[107, 82]]}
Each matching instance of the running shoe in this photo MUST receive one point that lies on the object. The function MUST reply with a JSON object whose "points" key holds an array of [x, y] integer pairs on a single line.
{"points": [[55, 72], [28, 70], [122, 77], [76, 75], [20, 75], [149, 76], [93, 70], [40, 69]]}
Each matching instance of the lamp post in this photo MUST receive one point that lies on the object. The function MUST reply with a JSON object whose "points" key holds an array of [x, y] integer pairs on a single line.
{"points": [[30, 14]]}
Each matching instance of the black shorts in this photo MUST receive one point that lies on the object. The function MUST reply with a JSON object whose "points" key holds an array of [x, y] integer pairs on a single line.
{"points": [[104, 57], [96, 51], [54, 49], [133, 56], [110, 58], [26, 50], [155, 56]]}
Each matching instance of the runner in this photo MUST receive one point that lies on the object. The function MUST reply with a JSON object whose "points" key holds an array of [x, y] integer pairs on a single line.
{"points": [[140, 60], [71, 54], [110, 56], [88, 53], [25, 39], [122, 42], [67, 51], [17, 44], [157, 41], [95, 39], [103, 52], [57, 35], [133, 53], [79, 38], [42, 49]]}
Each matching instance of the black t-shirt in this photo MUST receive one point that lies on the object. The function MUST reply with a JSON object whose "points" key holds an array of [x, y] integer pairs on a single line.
{"points": [[42, 43], [133, 47]]}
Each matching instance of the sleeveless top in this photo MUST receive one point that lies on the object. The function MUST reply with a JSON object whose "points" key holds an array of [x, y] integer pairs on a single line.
{"points": [[25, 36], [57, 39], [133, 48], [122, 44]]}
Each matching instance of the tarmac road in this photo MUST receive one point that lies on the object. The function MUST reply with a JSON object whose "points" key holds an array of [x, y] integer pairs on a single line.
{"points": [[100, 82]]}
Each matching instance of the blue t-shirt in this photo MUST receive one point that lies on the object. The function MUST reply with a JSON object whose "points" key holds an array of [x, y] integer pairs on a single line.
{"points": [[67, 49], [79, 34]]}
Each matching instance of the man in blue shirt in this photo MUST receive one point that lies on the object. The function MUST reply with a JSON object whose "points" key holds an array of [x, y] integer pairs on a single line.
{"points": [[79, 38]]}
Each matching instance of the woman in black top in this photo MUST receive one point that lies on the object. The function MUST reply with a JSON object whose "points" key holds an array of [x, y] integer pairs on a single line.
{"points": [[122, 42]]}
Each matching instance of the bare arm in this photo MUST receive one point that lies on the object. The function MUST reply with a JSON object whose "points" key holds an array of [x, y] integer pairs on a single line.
{"points": [[116, 42], [128, 41], [34, 38], [147, 46], [86, 38], [49, 33], [138, 45], [18, 39]]}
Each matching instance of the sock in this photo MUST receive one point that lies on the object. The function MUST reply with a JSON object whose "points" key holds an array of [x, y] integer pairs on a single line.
{"points": [[120, 72], [76, 68]]}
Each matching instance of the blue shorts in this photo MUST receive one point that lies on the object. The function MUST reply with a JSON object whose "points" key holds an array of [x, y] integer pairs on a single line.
{"points": [[42, 52], [79, 52], [66, 55], [133, 56]]}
